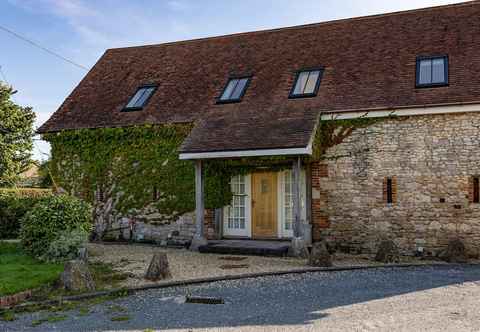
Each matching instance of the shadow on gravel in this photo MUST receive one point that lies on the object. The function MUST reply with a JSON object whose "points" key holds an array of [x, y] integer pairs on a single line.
{"points": [[271, 301]]}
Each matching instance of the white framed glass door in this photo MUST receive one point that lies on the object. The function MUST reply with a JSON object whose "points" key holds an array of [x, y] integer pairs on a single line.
{"points": [[237, 216], [285, 206]]}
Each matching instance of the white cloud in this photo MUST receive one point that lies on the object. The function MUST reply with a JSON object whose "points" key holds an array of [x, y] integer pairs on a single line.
{"points": [[178, 5]]}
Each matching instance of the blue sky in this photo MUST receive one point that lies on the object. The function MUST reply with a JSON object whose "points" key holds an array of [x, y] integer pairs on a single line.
{"points": [[82, 30]]}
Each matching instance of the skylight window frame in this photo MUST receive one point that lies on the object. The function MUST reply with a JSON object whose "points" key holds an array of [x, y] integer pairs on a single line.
{"points": [[234, 100], [294, 95], [446, 67], [144, 86]]}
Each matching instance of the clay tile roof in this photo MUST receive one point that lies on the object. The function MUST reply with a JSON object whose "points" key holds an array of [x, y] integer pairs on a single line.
{"points": [[369, 63], [240, 130]]}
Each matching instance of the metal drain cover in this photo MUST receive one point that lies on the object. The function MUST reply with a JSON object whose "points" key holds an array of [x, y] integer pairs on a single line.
{"points": [[204, 300]]}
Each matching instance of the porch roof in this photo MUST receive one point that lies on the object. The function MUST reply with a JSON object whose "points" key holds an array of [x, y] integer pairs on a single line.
{"points": [[251, 133]]}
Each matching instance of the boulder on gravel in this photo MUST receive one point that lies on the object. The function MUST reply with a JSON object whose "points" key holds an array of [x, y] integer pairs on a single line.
{"points": [[387, 252], [455, 252], [158, 268], [298, 248], [76, 277], [320, 256]]}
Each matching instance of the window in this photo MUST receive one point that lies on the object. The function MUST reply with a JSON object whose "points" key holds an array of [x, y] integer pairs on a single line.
{"points": [[234, 90], [307, 83], [390, 190], [99, 194], [476, 190], [432, 71], [141, 97], [237, 209]]}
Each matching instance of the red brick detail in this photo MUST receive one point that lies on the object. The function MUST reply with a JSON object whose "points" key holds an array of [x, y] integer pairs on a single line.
{"points": [[209, 224], [10, 300], [320, 219]]}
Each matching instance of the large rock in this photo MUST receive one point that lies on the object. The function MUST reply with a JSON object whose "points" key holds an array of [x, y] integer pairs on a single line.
{"points": [[77, 277], [298, 248], [455, 252], [320, 255], [387, 252], [158, 268]]}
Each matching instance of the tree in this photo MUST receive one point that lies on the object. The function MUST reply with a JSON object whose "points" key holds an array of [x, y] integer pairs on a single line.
{"points": [[16, 137]]}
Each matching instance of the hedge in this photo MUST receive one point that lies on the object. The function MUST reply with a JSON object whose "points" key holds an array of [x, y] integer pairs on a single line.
{"points": [[14, 204], [56, 227]]}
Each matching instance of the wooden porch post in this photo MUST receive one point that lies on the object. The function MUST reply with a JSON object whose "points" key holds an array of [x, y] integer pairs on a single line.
{"points": [[299, 243], [308, 203], [296, 197], [199, 238]]}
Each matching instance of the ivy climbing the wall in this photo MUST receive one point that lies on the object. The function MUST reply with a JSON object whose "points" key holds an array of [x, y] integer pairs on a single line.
{"points": [[331, 132], [134, 167]]}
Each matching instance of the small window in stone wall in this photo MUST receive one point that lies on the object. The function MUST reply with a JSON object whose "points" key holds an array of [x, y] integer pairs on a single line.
{"points": [[475, 189], [99, 195], [390, 190], [155, 193]]}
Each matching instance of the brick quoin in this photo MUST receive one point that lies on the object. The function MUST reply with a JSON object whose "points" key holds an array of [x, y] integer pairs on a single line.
{"points": [[320, 219]]}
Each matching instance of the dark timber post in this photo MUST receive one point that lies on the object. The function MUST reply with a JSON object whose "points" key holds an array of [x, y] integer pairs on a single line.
{"points": [[199, 239]]}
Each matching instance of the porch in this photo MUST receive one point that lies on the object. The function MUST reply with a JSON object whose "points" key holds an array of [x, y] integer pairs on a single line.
{"points": [[269, 214], [270, 203]]}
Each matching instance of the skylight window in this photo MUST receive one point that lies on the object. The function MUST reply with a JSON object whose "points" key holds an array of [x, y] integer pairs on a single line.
{"points": [[432, 71], [235, 89], [141, 97], [307, 83]]}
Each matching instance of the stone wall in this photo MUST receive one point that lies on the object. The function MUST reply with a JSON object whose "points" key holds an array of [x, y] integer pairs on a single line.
{"points": [[431, 158], [151, 226]]}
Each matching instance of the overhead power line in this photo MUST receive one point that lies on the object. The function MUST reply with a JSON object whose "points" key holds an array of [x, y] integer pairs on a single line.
{"points": [[31, 42], [4, 77]]}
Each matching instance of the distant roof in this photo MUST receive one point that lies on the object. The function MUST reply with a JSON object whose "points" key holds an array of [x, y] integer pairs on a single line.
{"points": [[369, 63]]}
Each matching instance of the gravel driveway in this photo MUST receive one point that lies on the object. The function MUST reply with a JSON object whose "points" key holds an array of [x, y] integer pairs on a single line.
{"points": [[185, 264], [386, 299]]}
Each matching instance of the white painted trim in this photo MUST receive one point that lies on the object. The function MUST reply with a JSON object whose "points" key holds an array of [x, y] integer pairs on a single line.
{"points": [[338, 115], [282, 232], [247, 153], [247, 232], [377, 113]]}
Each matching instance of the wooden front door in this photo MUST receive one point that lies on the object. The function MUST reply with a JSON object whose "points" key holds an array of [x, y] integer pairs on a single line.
{"points": [[264, 205]]}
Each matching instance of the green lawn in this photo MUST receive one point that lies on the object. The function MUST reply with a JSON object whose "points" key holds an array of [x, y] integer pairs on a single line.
{"points": [[19, 271]]}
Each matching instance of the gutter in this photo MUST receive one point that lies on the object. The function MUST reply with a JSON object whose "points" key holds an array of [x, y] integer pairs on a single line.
{"points": [[247, 153]]}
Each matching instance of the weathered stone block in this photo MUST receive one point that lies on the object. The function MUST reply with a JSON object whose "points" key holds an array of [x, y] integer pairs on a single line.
{"points": [[76, 277], [320, 256], [158, 268]]}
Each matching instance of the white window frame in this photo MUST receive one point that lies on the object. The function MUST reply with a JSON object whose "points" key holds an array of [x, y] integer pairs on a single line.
{"points": [[238, 232], [282, 232]]}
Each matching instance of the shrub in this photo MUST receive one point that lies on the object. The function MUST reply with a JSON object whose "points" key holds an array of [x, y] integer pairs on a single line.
{"points": [[50, 218], [66, 245], [14, 204]]}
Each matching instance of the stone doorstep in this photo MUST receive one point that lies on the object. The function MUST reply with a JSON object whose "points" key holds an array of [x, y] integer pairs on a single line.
{"points": [[10, 300]]}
